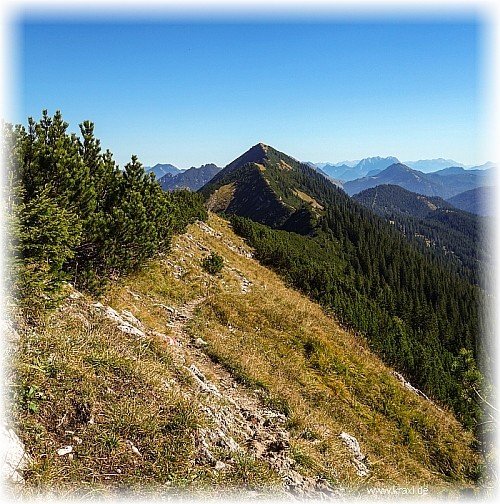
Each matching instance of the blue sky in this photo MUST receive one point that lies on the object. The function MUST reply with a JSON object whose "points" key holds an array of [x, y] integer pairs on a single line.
{"points": [[189, 92]]}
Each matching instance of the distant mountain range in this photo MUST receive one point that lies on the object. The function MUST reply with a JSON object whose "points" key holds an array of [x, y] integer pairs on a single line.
{"points": [[346, 172], [191, 179], [444, 183], [396, 174], [160, 170], [436, 179], [485, 166], [338, 173], [432, 165], [350, 170], [347, 163]]}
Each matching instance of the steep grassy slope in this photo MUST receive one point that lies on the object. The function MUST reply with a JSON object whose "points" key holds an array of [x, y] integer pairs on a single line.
{"points": [[220, 382]]}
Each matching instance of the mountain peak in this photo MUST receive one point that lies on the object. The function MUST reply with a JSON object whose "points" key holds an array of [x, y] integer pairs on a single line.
{"points": [[270, 187], [161, 169], [255, 154], [377, 159], [396, 168], [452, 170]]}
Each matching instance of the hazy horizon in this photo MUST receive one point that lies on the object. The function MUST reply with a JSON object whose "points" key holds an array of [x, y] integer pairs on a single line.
{"points": [[190, 93], [330, 162]]}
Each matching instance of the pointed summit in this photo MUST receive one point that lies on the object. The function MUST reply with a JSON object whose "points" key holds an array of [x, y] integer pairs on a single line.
{"points": [[255, 154], [396, 169], [270, 187]]}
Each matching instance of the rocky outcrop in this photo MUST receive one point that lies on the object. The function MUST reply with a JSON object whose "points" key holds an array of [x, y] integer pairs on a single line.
{"points": [[242, 251], [408, 386], [125, 321], [14, 459], [359, 460]]}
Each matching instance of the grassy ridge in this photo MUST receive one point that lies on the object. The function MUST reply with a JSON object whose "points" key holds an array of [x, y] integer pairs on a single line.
{"points": [[418, 313], [274, 342], [406, 338]]}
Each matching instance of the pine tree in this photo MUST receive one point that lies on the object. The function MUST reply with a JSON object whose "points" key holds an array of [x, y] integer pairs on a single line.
{"points": [[74, 215]]}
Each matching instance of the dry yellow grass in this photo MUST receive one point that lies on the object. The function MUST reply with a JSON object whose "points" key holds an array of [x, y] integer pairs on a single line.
{"points": [[308, 199], [280, 346], [220, 199], [325, 376]]}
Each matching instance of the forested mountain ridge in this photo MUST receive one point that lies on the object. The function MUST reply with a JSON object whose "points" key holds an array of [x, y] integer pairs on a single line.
{"points": [[374, 279], [435, 224], [160, 374], [387, 200], [414, 308], [184, 375]]}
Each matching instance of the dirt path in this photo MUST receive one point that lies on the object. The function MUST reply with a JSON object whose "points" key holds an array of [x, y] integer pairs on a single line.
{"points": [[181, 316], [241, 423]]}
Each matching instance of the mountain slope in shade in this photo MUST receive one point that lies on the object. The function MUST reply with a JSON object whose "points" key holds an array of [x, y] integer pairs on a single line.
{"points": [[159, 170], [389, 200], [191, 179], [479, 201]]}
